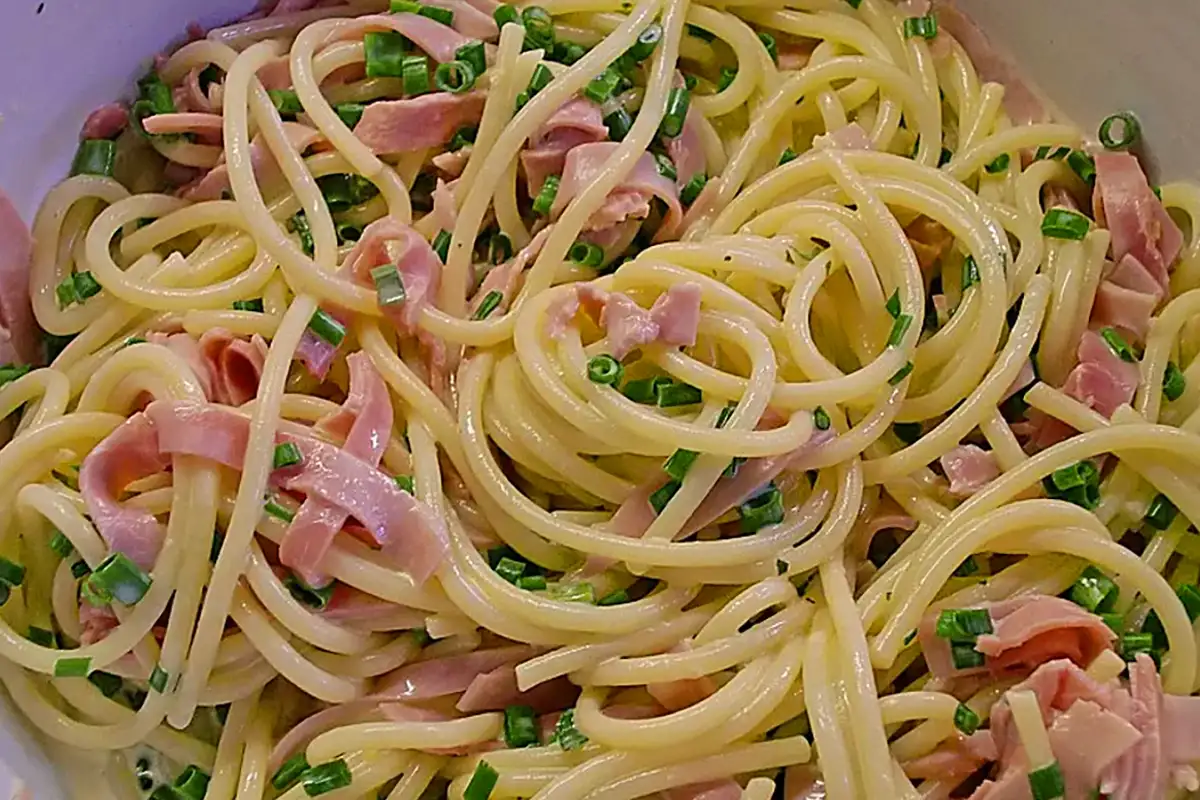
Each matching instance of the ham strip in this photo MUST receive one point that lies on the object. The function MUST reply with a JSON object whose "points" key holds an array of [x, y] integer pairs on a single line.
{"points": [[969, 469], [1127, 298], [470, 21], [1029, 631], [215, 183], [409, 532], [439, 677], [387, 240], [1101, 380], [366, 416], [1140, 226], [630, 199], [234, 365], [129, 453], [415, 123], [687, 150], [506, 277], [497, 689], [577, 121], [672, 320]]}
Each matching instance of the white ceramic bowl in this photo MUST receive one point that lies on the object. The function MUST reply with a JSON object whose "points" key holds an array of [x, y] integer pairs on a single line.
{"points": [[61, 58]]}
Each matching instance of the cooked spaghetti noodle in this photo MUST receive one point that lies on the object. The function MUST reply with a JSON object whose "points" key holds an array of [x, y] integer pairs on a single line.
{"points": [[603, 399]]}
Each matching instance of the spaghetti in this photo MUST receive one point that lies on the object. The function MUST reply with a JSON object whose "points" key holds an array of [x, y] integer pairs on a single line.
{"points": [[601, 400]]}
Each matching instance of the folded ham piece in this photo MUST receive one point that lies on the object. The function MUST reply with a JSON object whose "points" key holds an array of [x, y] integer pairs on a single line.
{"points": [[1128, 207], [1101, 380], [969, 468], [1028, 631], [577, 121], [672, 320], [415, 123]]}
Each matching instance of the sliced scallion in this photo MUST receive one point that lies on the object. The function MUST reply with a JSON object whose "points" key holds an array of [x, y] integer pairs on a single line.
{"points": [[491, 301], [1126, 134], [286, 455], [385, 54], [327, 328], [605, 370], [1062, 223]]}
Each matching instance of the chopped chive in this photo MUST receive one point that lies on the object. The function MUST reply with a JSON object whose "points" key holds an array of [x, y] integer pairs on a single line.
{"points": [[510, 569], [95, 157], [491, 301], [41, 637], [415, 73], [442, 15], [1174, 382], [966, 720], [79, 569], [965, 656], [1046, 783], [61, 545], [539, 28], [286, 102], [677, 394], [158, 679], [406, 483], [326, 327], [192, 783], [249, 305], [787, 155], [505, 14], [645, 390], [764, 509], [970, 273], [474, 54], [541, 78], [899, 328], [385, 54], [1062, 223], [576, 593], [1133, 643], [964, 624], [404, 6], [287, 455], [1189, 595], [106, 682], [325, 778], [349, 113], [925, 27], [568, 52], [893, 304], [531, 583], [768, 41], [618, 123], [298, 224], [566, 734], [665, 166], [315, 597], [700, 33], [677, 109], [500, 248], [663, 495], [907, 432], [1116, 622], [441, 244], [1130, 131], [1083, 165], [462, 137], [901, 374], [72, 667], [12, 372], [586, 254], [646, 42], [278, 512], [998, 164], [389, 286], [343, 191], [1094, 591], [545, 199], [65, 292], [692, 188], [1116, 342], [821, 419], [1076, 483], [521, 101], [968, 567], [86, 285], [119, 578], [603, 86], [605, 370], [483, 781], [728, 76], [679, 463], [520, 727], [614, 598], [455, 77], [1162, 513]]}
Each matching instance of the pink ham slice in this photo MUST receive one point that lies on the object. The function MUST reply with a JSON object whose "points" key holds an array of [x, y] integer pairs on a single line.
{"points": [[849, 137], [687, 150], [506, 277], [1126, 299], [214, 184], [955, 760], [315, 354], [409, 532], [469, 20], [16, 312], [1101, 380], [1029, 631], [439, 41], [969, 469], [188, 349], [672, 320], [577, 121], [1127, 206], [234, 365], [497, 689], [685, 692], [106, 122], [300, 734], [351, 606], [129, 453], [387, 240], [96, 622], [631, 199], [415, 123], [366, 420], [439, 677]]}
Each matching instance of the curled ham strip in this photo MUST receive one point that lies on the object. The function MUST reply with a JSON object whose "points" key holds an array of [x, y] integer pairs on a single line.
{"points": [[387, 240], [577, 121], [672, 320], [415, 123], [366, 421], [129, 453], [849, 137], [190, 97], [1127, 206], [191, 122], [687, 150], [276, 74], [1029, 631], [214, 184], [234, 365], [106, 122], [303, 732], [16, 312], [630, 199], [497, 689], [188, 349], [315, 354], [409, 532], [353, 607], [1101, 380], [469, 20], [439, 677], [969, 469], [956, 760], [1126, 299]]}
